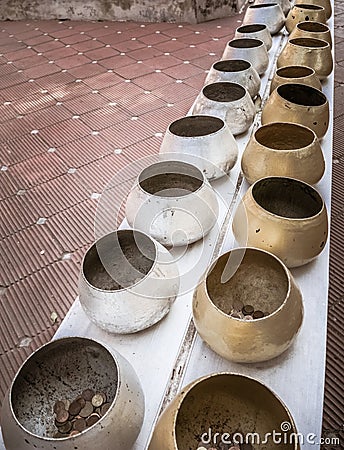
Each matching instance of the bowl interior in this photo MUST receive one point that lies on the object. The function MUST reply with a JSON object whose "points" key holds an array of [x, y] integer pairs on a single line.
{"points": [[228, 403], [301, 94], [286, 197], [232, 65], [294, 72], [254, 278], [224, 92], [284, 136], [196, 126], [311, 7], [170, 179], [253, 28], [245, 43], [313, 27], [60, 370], [119, 260], [309, 42]]}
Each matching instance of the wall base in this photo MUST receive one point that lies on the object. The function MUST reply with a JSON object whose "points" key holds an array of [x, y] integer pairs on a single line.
{"points": [[192, 11]]}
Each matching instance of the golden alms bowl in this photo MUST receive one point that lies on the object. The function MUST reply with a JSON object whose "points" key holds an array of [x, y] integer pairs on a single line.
{"points": [[295, 74], [221, 403], [327, 4], [284, 216], [314, 53], [283, 149], [313, 30], [252, 278], [302, 12], [298, 103]]}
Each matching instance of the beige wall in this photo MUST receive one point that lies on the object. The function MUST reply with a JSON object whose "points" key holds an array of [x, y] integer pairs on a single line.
{"points": [[141, 10]]}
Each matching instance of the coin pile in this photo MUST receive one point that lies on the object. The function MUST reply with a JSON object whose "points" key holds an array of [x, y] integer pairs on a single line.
{"points": [[246, 312], [73, 417]]}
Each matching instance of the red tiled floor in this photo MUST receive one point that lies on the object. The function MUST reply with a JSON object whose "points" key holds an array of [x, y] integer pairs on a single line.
{"points": [[116, 61], [37, 170], [13, 222], [84, 151], [18, 150], [72, 61], [105, 172], [134, 70], [87, 70], [31, 62], [86, 103], [101, 53], [42, 70], [153, 81], [63, 132], [26, 252], [33, 102], [56, 195], [107, 116]]}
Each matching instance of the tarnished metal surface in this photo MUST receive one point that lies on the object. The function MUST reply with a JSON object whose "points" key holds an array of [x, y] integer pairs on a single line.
{"points": [[62, 369], [128, 282], [204, 141]]}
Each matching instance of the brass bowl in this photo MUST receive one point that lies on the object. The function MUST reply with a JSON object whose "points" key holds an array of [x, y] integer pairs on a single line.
{"points": [[309, 52], [295, 74], [252, 50], [313, 30], [298, 103], [304, 12], [283, 149], [284, 216], [324, 3], [221, 403], [255, 31], [253, 277]]}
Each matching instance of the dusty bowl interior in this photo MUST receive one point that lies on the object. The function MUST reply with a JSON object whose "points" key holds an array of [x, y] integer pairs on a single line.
{"points": [[60, 370], [119, 260], [301, 94], [170, 179], [313, 27], [262, 5], [196, 126], [287, 197], [253, 28], [245, 42], [309, 42], [232, 65], [259, 280], [228, 403], [294, 72], [284, 136], [224, 92]]}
